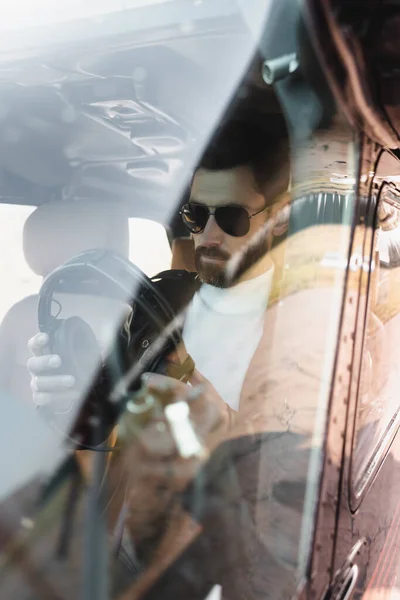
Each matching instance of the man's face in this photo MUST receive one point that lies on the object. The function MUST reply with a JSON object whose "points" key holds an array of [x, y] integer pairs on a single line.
{"points": [[214, 247]]}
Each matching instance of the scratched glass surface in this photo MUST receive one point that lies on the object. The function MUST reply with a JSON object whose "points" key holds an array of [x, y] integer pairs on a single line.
{"points": [[164, 438]]}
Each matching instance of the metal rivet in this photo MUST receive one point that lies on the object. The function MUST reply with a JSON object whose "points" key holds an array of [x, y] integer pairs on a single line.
{"points": [[145, 344], [278, 68]]}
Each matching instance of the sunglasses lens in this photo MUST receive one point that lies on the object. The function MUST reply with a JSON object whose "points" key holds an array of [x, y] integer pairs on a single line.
{"points": [[195, 217], [234, 220]]}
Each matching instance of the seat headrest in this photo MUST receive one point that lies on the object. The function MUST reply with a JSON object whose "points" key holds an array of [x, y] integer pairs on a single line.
{"points": [[183, 254], [57, 231]]}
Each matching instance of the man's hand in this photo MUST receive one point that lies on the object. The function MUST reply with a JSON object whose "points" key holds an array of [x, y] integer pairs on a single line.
{"points": [[155, 472], [208, 410], [49, 386], [154, 451]]}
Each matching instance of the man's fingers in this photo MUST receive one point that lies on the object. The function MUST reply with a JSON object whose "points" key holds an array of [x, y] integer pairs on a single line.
{"points": [[40, 364], [164, 383], [58, 402], [38, 343], [155, 379], [169, 384], [208, 409], [52, 383]]}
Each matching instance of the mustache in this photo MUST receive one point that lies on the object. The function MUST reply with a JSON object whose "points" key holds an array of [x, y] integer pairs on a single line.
{"points": [[211, 252]]}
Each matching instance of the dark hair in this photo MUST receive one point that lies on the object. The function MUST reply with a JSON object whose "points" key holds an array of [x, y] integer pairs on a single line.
{"points": [[261, 143]]}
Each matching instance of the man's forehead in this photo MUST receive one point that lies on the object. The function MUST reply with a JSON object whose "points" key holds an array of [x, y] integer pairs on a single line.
{"points": [[234, 186]]}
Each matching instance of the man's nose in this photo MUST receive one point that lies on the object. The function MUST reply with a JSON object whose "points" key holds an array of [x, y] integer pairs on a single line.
{"points": [[212, 234]]}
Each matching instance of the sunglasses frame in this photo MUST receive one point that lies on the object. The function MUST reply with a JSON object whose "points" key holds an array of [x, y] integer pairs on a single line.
{"points": [[212, 210]]}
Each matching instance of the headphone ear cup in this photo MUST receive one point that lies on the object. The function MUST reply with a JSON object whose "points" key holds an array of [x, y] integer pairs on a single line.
{"points": [[80, 352]]}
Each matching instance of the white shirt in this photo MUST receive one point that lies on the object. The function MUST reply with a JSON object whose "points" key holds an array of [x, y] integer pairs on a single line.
{"points": [[222, 330]]}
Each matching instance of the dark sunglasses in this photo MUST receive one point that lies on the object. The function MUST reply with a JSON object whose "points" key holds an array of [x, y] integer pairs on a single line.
{"points": [[232, 219]]}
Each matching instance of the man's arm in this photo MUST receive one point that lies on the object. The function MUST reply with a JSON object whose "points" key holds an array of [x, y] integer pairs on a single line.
{"points": [[215, 537]]}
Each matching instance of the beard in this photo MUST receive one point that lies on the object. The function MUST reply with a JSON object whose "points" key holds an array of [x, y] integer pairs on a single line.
{"points": [[211, 273], [216, 274]]}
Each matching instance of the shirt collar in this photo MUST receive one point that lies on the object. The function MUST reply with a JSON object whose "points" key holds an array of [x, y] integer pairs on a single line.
{"points": [[250, 296]]}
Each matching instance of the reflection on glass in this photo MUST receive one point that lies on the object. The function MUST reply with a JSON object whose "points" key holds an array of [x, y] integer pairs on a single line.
{"points": [[190, 458], [378, 402]]}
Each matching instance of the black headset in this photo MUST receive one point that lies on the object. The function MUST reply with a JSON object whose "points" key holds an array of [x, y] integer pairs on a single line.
{"points": [[142, 343]]}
